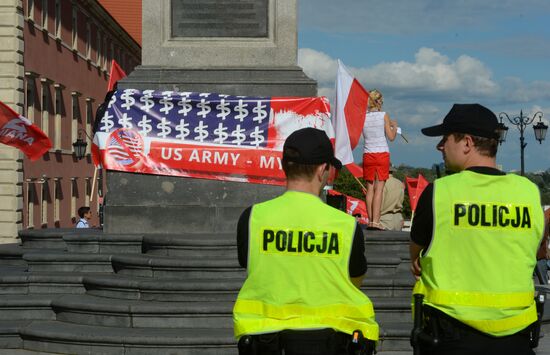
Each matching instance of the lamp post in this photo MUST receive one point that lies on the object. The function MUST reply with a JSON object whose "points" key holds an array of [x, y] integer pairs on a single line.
{"points": [[521, 122], [79, 146]]}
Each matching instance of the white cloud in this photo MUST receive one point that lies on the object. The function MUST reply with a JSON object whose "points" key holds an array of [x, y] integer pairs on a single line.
{"points": [[431, 73]]}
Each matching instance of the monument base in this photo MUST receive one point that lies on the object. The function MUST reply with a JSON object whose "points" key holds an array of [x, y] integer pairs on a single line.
{"points": [[152, 204], [277, 81]]}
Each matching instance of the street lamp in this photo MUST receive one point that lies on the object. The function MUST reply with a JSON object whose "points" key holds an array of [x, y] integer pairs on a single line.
{"points": [[521, 122], [79, 146]]}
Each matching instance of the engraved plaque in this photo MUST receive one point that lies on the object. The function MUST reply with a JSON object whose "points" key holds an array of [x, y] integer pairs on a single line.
{"points": [[219, 18]]}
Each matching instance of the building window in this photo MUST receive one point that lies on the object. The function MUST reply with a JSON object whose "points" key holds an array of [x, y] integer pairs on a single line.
{"points": [[105, 59], [31, 196], [45, 121], [75, 28], [58, 196], [76, 115], [74, 196], [44, 203], [30, 92], [88, 40], [59, 112], [88, 189], [58, 19], [45, 15], [30, 10], [89, 120], [98, 50]]}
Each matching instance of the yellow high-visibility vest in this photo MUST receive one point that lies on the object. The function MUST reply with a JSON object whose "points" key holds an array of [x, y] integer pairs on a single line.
{"points": [[479, 266], [298, 276]]}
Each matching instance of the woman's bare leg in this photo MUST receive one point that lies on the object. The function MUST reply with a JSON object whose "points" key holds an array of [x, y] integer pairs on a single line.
{"points": [[377, 200], [369, 199]]}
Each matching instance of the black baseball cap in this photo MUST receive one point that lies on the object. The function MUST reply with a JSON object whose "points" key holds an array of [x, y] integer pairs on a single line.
{"points": [[313, 147], [473, 119]]}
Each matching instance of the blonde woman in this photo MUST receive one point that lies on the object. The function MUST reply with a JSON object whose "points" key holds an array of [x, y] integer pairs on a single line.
{"points": [[376, 155]]}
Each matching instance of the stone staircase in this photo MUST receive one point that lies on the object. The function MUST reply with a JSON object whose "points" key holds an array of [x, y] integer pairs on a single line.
{"points": [[74, 291]]}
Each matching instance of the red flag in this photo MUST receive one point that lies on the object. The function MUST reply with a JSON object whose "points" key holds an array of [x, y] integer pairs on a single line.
{"points": [[355, 170], [354, 207], [19, 132], [115, 75], [349, 116], [415, 187]]}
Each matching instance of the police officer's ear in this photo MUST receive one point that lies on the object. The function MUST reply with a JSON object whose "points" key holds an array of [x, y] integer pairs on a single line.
{"points": [[467, 144], [320, 171]]}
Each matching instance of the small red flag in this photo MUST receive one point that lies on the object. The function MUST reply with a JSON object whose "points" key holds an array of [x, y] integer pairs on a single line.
{"points": [[115, 75], [19, 132], [415, 187]]}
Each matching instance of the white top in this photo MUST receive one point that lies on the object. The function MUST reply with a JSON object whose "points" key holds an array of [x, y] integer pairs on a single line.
{"points": [[374, 133], [83, 223]]}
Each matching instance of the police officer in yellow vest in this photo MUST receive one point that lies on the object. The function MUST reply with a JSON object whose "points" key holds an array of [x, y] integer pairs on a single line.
{"points": [[305, 262], [474, 240]]}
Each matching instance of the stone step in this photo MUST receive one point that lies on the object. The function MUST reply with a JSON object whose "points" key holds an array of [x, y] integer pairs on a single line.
{"points": [[44, 283], [26, 307], [65, 338], [92, 310], [395, 336], [103, 243], [126, 287], [68, 338], [9, 334], [50, 238], [191, 244], [63, 261], [174, 267], [11, 255]]}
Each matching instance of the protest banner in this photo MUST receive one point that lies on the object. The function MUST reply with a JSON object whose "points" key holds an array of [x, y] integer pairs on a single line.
{"points": [[203, 135]]}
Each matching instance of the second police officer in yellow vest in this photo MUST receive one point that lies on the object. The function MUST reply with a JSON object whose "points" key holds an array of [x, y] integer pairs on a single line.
{"points": [[474, 241], [305, 262]]}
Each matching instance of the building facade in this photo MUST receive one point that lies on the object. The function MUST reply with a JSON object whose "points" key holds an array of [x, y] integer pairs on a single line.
{"points": [[55, 57]]}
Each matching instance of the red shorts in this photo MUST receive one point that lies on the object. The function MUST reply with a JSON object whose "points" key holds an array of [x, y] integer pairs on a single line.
{"points": [[376, 165]]}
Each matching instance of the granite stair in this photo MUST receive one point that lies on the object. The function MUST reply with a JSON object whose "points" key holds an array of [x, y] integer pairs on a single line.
{"points": [[72, 292]]}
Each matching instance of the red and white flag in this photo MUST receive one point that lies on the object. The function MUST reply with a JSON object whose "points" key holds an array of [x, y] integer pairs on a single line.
{"points": [[17, 131], [115, 75], [415, 187], [349, 114]]}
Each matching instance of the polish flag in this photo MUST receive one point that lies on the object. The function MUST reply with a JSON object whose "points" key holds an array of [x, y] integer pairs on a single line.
{"points": [[349, 116], [115, 75], [415, 187], [17, 131]]}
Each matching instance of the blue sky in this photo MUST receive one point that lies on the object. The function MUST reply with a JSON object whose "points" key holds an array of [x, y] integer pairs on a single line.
{"points": [[425, 55]]}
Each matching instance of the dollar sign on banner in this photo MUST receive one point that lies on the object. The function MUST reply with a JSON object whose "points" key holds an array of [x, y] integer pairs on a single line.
{"points": [[201, 131], [185, 104], [113, 100], [166, 101], [128, 98], [224, 109], [164, 127], [147, 100], [243, 112], [145, 125], [239, 135], [107, 122], [205, 108], [125, 121], [221, 133], [261, 114], [182, 129], [258, 137]]}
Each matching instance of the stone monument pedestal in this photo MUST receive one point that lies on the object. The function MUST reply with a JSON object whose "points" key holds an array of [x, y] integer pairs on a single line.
{"points": [[233, 47]]}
